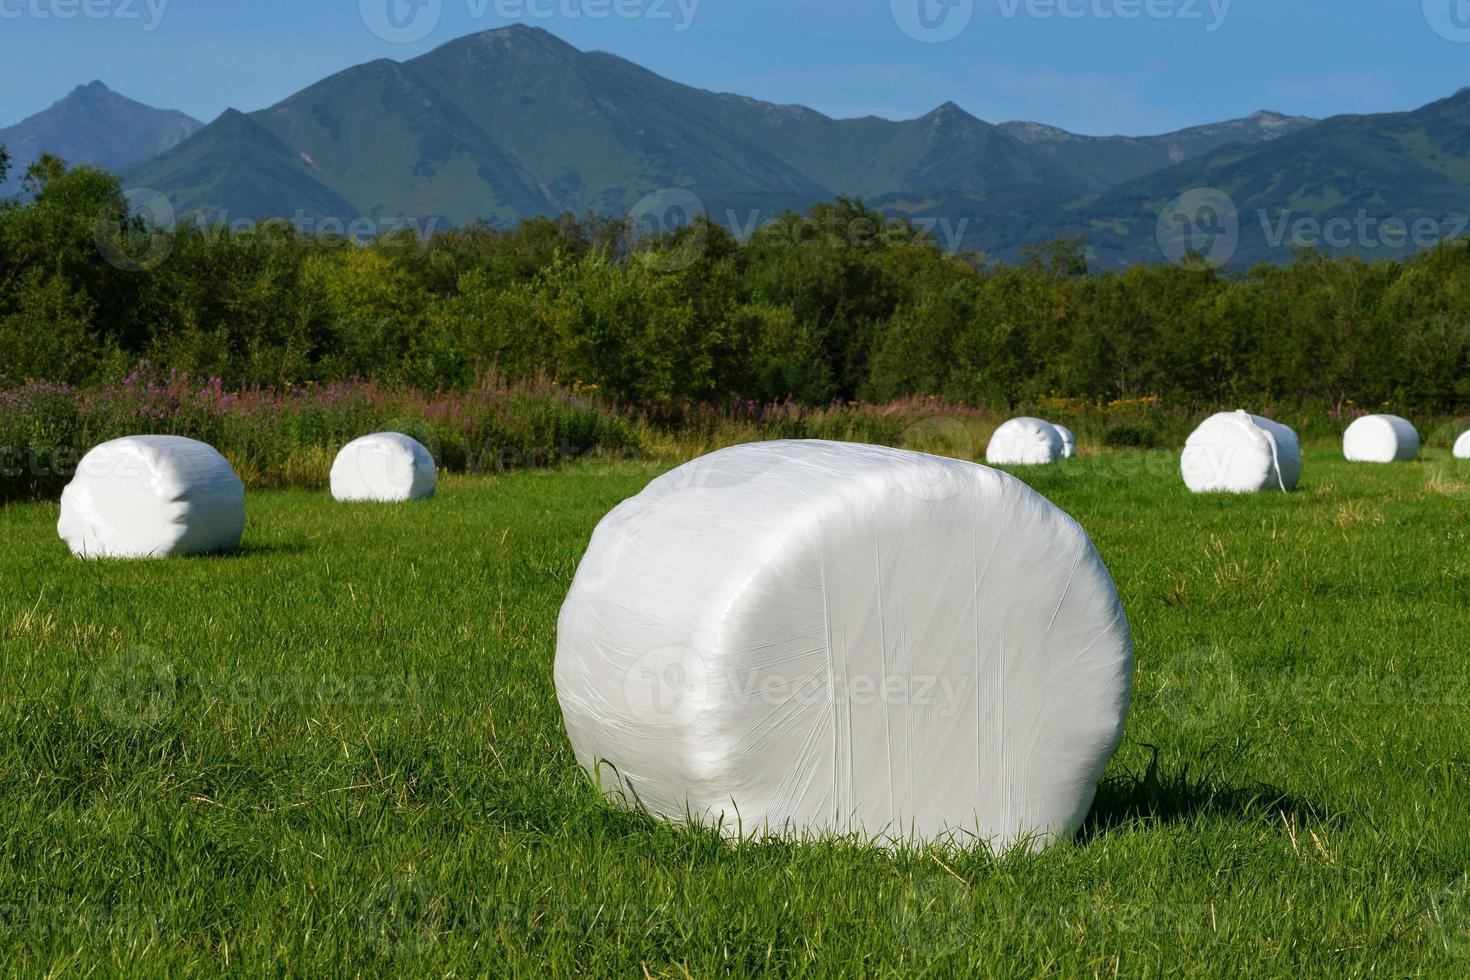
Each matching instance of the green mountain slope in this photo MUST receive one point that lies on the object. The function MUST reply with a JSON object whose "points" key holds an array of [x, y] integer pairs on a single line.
{"points": [[512, 123], [1299, 190], [393, 146], [234, 168], [1096, 163]]}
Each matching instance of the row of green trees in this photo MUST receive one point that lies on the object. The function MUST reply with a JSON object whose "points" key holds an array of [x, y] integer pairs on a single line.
{"points": [[836, 304]]}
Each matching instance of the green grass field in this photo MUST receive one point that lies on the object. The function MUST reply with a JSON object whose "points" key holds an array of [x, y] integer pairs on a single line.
{"points": [[339, 752]]}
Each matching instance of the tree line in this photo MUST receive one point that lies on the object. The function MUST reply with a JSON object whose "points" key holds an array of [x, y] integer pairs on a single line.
{"points": [[838, 304]]}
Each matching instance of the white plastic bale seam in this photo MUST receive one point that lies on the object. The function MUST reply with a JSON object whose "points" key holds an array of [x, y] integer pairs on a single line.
{"points": [[152, 497], [1381, 439], [388, 467], [1024, 442], [1236, 452], [1069, 441], [802, 638], [1462, 446]]}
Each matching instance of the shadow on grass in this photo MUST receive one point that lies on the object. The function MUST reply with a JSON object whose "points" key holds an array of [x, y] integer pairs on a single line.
{"points": [[254, 550], [1157, 797]]}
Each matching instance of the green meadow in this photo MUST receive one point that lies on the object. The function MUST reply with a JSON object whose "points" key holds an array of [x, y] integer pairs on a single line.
{"points": [[339, 753]]}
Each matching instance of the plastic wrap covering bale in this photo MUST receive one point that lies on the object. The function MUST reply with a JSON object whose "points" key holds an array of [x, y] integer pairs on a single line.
{"points": [[1024, 442], [800, 638], [386, 468], [152, 497], [1069, 441], [1236, 452], [1381, 439], [1462, 447]]}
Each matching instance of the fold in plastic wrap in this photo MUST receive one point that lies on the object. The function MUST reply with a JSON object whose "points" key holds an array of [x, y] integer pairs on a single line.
{"points": [[152, 497], [1236, 452], [1025, 442], [1381, 439], [388, 467], [804, 638]]}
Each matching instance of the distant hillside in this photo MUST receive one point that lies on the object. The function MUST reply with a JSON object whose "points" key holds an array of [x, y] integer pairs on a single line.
{"points": [[512, 123], [1367, 174], [93, 125]]}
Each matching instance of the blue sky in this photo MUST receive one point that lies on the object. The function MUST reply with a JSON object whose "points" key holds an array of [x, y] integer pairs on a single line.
{"points": [[1092, 66]]}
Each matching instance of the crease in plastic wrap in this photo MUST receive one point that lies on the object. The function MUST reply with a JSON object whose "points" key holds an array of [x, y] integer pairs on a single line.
{"points": [[1025, 442], [1381, 439], [152, 497], [812, 638], [1237, 452], [387, 467]]}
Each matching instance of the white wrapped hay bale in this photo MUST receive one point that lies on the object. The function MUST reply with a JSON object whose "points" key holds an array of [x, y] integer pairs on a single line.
{"points": [[810, 637], [1024, 442], [1381, 439], [385, 468], [1069, 441], [1462, 447], [1236, 452], [152, 497]]}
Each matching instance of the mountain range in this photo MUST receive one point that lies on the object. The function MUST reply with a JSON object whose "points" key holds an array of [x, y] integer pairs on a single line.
{"points": [[512, 123], [93, 125]]}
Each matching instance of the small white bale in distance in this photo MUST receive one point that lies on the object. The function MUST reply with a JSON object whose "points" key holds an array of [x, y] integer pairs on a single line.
{"points": [[388, 467], [1381, 439], [803, 638], [1236, 452], [152, 497], [1069, 441], [1024, 442], [1462, 447]]}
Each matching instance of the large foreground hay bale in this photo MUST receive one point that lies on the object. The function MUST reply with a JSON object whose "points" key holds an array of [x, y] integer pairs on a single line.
{"points": [[388, 467], [1024, 442], [1462, 446], [1381, 439], [1236, 452], [813, 637], [152, 497]]}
